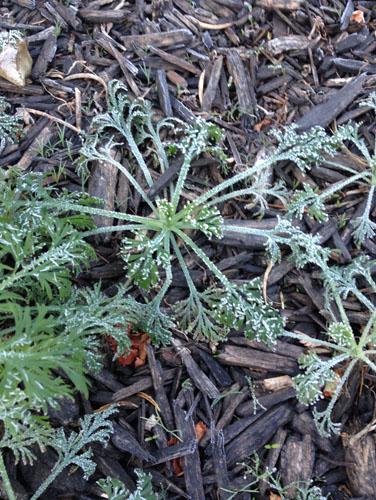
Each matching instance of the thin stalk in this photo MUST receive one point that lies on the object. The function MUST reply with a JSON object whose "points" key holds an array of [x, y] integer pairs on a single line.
{"points": [[136, 152], [6, 480], [340, 385], [364, 337], [323, 343], [222, 278], [59, 467]]}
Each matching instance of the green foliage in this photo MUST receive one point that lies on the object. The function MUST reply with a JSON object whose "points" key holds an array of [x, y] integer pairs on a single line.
{"points": [[95, 427], [317, 147], [47, 324], [116, 490], [10, 126], [347, 346], [153, 240]]}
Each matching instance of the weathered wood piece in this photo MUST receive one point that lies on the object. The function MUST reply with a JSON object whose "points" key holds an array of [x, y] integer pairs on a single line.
{"points": [[220, 466], [282, 44], [141, 385], [125, 441], [326, 112], [247, 104], [45, 56], [212, 87], [102, 184], [296, 462], [103, 16], [279, 4], [199, 378], [191, 463], [360, 453], [163, 93], [160, 393], [165, 39], [251, 358], [258, 434]]}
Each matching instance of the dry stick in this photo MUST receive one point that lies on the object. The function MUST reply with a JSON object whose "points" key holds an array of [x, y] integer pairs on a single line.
{"points": [[53, 118]]}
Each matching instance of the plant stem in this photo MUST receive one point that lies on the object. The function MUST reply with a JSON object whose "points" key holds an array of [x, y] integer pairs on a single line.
{"points": [[6, 480]]}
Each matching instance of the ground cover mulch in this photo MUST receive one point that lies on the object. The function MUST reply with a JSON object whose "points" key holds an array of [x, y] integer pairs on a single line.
{"points": [[248, 67]]}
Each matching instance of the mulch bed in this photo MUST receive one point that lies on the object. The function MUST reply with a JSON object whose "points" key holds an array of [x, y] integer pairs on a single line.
{"points": [[248, 67]]}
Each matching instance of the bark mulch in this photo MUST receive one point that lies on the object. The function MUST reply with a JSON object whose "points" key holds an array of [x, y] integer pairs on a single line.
{"points": [[248, 67]]}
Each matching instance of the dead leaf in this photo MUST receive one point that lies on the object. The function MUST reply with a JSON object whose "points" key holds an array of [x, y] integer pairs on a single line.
{"points": [[357, 17]]}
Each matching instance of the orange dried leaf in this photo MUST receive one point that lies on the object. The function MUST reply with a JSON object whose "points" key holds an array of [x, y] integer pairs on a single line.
{"points": [[200, 430], [357, 17], [259, 126]]}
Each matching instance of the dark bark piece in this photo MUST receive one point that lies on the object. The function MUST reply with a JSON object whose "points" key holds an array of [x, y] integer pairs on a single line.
{"points": [[219, 462], [199, 378], [68, 13], [230, 404], [346, 15], [251, 358], [266, 401], [304, 424], [45, 56], [66, 413], [141, 385], [102, 185], [273, 455], [28, 4], [163, 92], [279, 4], [279, 271], [165, 39], [212, 87], [175, 451], [103, 16], [184, 113], [282, 44], [191, 463], [246, 103], [258, 434], [127, 67], [47, 130], [296, 462], [282, 348], [221, 376], [175, 60], [360, 451], [125, 441], [164, 179], [26, 90], [160, 393], [106, 378], [326, 112], [353, 66]]}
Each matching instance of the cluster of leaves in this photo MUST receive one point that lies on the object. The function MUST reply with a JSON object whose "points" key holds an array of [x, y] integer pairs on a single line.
{"points": [[347, 346], [10, 125], [157, 238], [116, 490], [316, 147], [47, 324]]}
